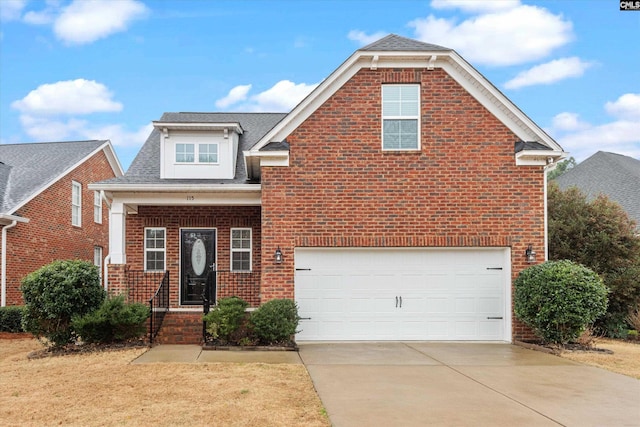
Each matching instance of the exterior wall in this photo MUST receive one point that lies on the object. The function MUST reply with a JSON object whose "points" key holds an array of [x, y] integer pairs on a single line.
{"points": [[49, 235], [173, 218], [462, 189]]}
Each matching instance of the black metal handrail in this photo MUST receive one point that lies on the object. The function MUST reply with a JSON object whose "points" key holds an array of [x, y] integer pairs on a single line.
{"points": [[159, 306]]}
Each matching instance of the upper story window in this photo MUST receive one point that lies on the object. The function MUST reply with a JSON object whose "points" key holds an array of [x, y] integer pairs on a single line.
{"points": [[76, 204], [97, 207], [400, 117], [241, 249], [196, 153], [154, 249]]}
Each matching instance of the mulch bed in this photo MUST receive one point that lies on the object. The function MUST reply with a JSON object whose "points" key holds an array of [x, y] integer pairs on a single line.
{"points": [[557, 349]]}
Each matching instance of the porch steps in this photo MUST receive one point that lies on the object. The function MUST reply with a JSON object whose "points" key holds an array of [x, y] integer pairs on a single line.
{"points": [[180, 328]]}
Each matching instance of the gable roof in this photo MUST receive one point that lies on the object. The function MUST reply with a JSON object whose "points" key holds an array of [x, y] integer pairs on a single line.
{"points": [[145, 168], [613, 175], [28, 169], [394, 51]]}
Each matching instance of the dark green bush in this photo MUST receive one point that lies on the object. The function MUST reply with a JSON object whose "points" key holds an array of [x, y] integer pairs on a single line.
{"points": [[559, 299], [11, 319], [226, 321], [275, 321], [113, 321], [57, 292]]}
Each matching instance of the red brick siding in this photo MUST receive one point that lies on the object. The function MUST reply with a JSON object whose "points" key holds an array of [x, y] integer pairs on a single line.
{"points": [[49, 235], [461, 189], [173, 218]]}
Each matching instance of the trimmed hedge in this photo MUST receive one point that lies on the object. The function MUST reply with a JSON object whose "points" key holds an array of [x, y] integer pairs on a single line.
{"points": [[559, 299], [275, 321], [225, 322], [11, 319]]}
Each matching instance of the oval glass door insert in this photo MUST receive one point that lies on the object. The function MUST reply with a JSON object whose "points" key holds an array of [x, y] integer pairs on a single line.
{"points": [[198, 257]]}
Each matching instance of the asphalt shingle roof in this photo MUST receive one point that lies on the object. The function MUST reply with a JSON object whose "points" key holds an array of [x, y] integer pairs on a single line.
{"points": [[394, 42], [613, 175], [27, 168], [145, 168]]}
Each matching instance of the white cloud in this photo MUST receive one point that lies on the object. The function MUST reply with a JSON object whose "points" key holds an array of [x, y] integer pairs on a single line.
{"points": [[499, 38], [11, 10], [281, 97], [626, 107], [364, 39], [475, 5], [237, 94], [551, 72], [620, 136], [85, 21], [68, 97]]}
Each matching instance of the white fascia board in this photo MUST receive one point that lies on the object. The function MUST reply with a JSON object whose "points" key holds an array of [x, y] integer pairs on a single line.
{"points": [[198, 126], [539, 157], [275, 158], [474, 82], [254, 160], [175, 188], [133, 199], [6, 219], [112, 157]]}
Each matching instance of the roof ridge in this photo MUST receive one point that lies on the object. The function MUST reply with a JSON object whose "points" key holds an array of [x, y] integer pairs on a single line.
{"points": [[394, 42]]}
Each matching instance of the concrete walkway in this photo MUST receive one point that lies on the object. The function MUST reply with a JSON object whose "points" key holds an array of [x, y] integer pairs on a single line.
{"points": [[452, 384]]}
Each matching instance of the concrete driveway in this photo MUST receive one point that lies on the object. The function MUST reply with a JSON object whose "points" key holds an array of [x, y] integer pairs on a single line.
{"points": [[454, 384]]}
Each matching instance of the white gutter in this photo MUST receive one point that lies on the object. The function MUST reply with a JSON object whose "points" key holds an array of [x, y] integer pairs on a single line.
{"points": [[548, 168], [177, 188], [14, 221]]}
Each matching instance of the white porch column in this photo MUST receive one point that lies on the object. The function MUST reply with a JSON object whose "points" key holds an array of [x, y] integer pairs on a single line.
{"points": [[117, 233]]}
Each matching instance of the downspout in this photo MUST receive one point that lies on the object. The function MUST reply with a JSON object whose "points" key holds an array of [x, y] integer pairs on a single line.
{"points": [[551, 165], [3, 302]]}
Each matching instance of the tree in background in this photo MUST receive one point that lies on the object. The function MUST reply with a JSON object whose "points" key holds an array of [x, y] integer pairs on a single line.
{"points": [[561, 168], [600, 235]]}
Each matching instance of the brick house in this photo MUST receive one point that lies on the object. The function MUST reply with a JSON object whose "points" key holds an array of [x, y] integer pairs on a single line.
{"points": [[399, 200], [46, 210]]}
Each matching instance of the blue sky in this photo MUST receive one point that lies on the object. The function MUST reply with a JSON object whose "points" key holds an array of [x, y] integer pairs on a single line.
{"points": [[104, 69]]}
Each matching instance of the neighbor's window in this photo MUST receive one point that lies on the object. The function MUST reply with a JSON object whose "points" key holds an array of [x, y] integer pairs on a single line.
{"points": [[400, 117], [154, 249], [76, 204], [97, 258], [185, 153], [97, 207], [241, 249], [208, 153]]}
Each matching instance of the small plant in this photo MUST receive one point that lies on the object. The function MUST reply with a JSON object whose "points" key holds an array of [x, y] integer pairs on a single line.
{"points": [[632, 334], [559, 300], [11, 319], [226, 321], [114, 321], [55, 293], [587, 339], [275, 321]]}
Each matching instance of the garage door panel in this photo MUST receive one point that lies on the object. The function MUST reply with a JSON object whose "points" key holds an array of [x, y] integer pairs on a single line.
{"points": [[446, 294]]}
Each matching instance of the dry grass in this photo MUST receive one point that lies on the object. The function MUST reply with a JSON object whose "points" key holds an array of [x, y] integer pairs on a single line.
{"points": [[624, 360], [105, 389]]}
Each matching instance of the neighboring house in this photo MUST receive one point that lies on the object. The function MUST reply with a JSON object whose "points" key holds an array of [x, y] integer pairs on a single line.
{"points": [[46, 210], [397, 201], [614, 175]]}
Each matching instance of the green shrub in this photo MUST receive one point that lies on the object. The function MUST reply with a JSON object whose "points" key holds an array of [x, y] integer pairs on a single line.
{"points": [[57, 292], [11, 319], [275, 321], [559, 299], [225, 322], [113, 321]]}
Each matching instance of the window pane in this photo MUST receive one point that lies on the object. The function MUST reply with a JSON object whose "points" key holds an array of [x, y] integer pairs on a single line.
{"points": [[185, 153], [241, 261], [208, 153]]}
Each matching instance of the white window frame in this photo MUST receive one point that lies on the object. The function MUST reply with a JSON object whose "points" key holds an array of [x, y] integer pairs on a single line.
{"points": [[76, 204], [97, 207], [401, 117], [97, 259], [196, 153], [241, 250], [163, 249]]}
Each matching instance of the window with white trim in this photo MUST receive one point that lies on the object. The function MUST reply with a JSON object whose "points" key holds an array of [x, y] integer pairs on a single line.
{"points": [[196, 153], [76, 204], [400, 116], [240, 249], [97, 207], [97, 258], [154, 249]]}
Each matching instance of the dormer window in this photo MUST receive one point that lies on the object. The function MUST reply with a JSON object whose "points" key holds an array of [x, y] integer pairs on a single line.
{"points": [[204, 153]]}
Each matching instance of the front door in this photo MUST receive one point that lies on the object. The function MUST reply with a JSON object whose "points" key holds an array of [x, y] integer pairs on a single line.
{"points": [[197, 261]]}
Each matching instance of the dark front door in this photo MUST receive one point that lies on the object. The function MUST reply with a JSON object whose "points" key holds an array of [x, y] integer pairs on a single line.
{"points": [[198, 257]]}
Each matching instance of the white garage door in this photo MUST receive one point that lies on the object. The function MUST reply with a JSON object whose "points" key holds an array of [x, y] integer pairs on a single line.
{"points": [[403, 294]]}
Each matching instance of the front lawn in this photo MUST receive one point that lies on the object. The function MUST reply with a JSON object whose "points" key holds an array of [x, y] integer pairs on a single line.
{"points": [[105, 389], [624, 360]]}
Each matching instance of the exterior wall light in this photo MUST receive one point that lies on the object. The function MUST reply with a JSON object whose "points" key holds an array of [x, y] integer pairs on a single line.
{"points": [[530, 255], [278, 256]]}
